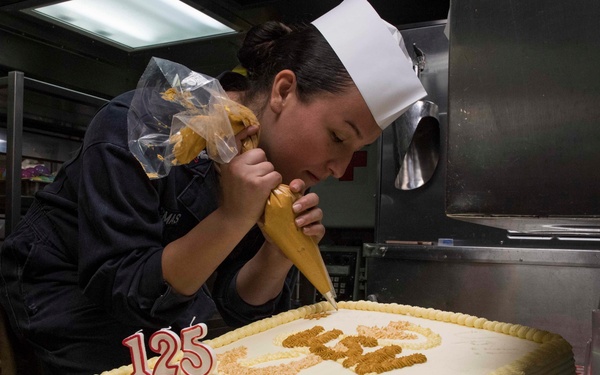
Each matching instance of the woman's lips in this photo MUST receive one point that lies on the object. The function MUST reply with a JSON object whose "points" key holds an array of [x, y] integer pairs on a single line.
{"points": [[313, 178]]}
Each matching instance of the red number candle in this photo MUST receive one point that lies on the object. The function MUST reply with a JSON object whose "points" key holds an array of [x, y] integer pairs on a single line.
{"points": [[139, 360], [198, 359]]}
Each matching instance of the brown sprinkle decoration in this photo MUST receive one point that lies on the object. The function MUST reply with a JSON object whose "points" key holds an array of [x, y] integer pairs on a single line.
{"points": [[394, 330], [352, 347], [317, 316], [300, 338], [310, 336]]}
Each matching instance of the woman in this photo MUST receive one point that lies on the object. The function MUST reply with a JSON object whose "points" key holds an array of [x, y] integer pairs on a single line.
{"points": [[104, 251]]}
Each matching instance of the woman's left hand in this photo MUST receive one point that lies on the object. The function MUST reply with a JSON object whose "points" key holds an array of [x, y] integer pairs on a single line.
{"points": [[309, 215]]}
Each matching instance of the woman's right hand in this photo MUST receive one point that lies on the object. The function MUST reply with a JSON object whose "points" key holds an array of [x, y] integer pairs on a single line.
{"points": [[246, 182]]}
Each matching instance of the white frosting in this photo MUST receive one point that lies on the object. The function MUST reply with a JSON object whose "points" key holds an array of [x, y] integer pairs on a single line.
{"points": [[464, 349], [468, 345]]}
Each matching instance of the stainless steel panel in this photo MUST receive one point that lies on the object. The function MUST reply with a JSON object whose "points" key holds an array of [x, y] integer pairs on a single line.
{"points": [[553, 290], [417, 141], [419, 214], [523, 136]]}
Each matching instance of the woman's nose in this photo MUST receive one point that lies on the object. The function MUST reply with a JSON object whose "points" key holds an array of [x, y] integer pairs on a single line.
{"points": [[338, 166]]}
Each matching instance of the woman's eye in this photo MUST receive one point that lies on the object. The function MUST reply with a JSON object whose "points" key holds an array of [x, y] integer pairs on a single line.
{"points": [[336, 138]]}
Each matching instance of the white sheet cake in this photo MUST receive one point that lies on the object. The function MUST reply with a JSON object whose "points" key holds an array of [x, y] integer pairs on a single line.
{"points": [[368, 338]]}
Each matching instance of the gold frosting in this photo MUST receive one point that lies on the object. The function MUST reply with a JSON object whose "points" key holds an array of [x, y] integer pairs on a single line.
{"points": [[279, 225], [188, 143]]}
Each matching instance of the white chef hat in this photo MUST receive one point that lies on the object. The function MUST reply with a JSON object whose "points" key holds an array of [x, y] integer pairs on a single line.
{"points": [[375, 56]]}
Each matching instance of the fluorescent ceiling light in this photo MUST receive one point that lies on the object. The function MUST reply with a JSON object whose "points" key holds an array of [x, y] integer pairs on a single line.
{"points": [[134, 23]]}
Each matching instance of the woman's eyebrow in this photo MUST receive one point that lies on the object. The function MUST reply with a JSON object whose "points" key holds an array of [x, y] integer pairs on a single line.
{"points": [[356, 130]]}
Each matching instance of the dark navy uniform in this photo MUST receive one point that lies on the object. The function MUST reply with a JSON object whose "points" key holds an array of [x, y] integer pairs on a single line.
{"points": [[83, 269]]}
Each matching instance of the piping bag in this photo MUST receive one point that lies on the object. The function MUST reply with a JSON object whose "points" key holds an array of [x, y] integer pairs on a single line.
{"points": [[279, 225]]}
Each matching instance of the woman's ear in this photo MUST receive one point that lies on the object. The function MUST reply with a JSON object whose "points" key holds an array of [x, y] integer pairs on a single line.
{"points": [[284, 87]]}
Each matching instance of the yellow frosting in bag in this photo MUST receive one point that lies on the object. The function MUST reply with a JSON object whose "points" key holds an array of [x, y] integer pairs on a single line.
{"points": [[299, 248], [188, 143]]}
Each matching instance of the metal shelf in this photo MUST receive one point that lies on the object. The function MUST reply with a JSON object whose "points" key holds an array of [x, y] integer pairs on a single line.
{"points": [[57, 113]]}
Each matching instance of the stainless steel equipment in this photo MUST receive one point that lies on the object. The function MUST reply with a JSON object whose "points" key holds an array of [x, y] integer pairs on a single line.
{"points": [[520, 149], [523, 111], [417, 144], [418, 214], [519, 152]]}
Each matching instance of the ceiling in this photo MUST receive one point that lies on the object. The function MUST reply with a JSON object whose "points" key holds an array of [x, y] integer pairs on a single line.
{"points": [[60, 56], [245, 13]]}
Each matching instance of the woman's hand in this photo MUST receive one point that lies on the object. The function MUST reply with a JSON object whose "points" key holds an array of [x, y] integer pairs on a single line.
{"points": [[247, 139], [246, 182], [309, 216]]}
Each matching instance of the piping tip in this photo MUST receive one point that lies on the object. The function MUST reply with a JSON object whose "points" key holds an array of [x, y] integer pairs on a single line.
{"points": [[330, 297]]}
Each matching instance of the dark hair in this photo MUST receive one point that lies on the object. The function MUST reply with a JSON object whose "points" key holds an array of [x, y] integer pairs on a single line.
{"points": [[232, 81], [273, 46]]}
